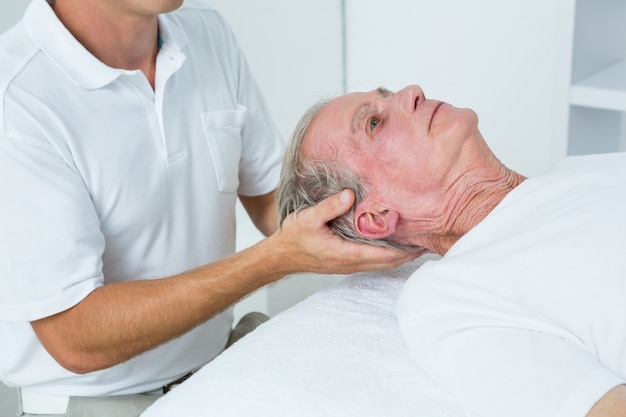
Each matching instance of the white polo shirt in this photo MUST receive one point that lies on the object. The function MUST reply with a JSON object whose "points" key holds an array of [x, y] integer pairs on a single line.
{"points": [[104, 179], [526, 314]]}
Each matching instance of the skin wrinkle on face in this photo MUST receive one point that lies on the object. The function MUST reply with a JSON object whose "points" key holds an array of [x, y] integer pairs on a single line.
{"points": [[359, 114]]}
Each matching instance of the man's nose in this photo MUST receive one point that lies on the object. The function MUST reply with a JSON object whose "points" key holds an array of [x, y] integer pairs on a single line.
{"points": [[410, 97]]}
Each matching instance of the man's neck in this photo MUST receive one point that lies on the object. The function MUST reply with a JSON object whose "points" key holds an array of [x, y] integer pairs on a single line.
{"points": [[480, 199], [459, 207], [118, 38]]}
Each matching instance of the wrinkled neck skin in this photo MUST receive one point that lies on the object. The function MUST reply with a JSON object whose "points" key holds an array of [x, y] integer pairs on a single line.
{"points": [[473, 206], [467, 200]]}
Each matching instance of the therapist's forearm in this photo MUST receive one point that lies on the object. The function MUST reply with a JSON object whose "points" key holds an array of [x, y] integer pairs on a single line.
{"points": [[613, 404], [119, 321]]}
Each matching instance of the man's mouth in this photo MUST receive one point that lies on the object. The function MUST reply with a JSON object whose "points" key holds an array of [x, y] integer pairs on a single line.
{"points": [[432, 116]]}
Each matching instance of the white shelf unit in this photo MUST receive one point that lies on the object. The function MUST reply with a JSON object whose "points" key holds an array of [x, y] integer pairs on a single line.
{"points": [[597, 96], [605, 89]]}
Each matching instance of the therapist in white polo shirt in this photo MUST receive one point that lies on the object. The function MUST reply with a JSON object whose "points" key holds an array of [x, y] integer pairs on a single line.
{"points": [[128, 129]]}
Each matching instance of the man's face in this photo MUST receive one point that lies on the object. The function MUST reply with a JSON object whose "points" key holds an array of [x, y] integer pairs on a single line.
{"points": [[405, 146]]}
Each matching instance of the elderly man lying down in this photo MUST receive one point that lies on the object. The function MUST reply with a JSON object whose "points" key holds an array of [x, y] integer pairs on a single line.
{"points": [[525, 313]]}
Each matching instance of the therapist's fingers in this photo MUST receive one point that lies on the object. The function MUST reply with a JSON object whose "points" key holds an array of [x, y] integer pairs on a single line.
{"points": [[316, 248]]}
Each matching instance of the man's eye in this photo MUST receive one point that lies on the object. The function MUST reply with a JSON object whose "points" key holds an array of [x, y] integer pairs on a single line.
{"points": [[373, 123]]}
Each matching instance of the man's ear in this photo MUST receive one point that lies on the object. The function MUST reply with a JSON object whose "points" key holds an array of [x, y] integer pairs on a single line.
{"points": [[372, 221]]}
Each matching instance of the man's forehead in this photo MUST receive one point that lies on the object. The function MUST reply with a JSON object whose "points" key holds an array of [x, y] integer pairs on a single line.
{"points": [[330, 130]]}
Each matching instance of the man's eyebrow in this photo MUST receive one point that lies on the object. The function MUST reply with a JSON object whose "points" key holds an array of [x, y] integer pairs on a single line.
{"points": [[383, 92], [366, 108]]}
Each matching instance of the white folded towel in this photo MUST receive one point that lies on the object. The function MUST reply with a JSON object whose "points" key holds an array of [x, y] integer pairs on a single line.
{"points": [[337, 353]]}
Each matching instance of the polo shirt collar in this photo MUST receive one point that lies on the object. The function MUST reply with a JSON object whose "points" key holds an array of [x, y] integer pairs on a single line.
{"points": [[84, 69], [171, 34]]}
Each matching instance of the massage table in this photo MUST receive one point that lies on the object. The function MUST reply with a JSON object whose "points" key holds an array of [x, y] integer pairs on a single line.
{"points": [[337, 353]]}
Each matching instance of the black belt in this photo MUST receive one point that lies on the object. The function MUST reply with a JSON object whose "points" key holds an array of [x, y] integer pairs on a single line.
{"points": [[167, 388]]}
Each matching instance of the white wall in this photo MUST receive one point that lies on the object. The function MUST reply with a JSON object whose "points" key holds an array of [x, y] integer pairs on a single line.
{"points": [[10, 12]]}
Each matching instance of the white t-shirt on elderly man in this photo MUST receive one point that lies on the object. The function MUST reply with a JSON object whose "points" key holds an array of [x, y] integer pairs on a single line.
{"points": [[526, 314], [105, 179]]}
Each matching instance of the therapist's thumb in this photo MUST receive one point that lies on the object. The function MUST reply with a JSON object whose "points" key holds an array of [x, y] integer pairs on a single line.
{"points": [[335, 205]]}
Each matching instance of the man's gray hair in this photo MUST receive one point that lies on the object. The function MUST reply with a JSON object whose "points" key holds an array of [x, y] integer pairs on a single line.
{"points": [[305, 182]]}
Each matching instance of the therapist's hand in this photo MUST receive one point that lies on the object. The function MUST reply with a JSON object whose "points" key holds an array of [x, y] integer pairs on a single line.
{"points": [[308, 244]]}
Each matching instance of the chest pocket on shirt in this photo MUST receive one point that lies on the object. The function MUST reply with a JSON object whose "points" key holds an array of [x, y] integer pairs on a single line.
{"points": [[223, 135]]}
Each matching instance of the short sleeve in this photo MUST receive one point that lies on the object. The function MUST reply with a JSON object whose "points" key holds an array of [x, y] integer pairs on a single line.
{"points": [[51, 245]]}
